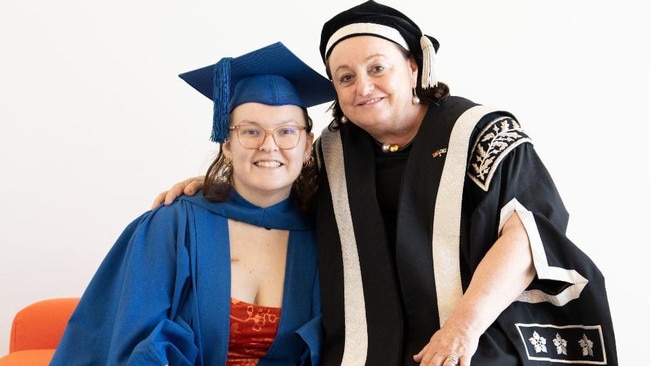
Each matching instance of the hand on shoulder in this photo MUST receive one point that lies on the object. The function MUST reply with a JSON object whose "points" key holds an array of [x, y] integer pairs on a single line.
{"points": [[187, 187]]}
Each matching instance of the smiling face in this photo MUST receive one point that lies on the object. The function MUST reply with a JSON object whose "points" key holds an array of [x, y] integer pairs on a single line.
{"points": [[374, 80], [264, 175]]}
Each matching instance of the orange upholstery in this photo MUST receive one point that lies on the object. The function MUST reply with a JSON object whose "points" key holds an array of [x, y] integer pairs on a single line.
{"points": [[36, 331], [32, 357]]}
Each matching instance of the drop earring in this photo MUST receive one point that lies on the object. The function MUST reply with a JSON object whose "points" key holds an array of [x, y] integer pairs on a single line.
{"points": [[415, 99]]}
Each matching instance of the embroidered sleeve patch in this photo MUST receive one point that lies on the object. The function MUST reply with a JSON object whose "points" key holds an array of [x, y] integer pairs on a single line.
{"points": [[493, 143], [566, 344]]}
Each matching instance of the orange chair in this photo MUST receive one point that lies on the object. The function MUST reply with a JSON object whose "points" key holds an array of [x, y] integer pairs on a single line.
{"points": [[36, 331]]}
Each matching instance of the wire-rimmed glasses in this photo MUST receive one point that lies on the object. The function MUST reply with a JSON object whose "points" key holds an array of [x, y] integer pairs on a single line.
{"points": [[252, 137]]}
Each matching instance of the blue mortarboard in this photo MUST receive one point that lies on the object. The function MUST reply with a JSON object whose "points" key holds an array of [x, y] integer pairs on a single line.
{"points": [[271, 75]]}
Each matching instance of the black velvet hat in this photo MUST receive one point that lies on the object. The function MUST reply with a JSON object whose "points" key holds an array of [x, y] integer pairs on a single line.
{"points": [[374, 19]]}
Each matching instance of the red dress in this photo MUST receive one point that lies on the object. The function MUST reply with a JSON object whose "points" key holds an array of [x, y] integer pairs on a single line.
{"points": [[252, 331]]}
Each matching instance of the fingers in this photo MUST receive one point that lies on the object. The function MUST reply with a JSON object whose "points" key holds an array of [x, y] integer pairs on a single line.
{"points": [[188, 187], [193, 185], [446, 349], [160, 199], [172, 194], [449, 360], [176, 190]]}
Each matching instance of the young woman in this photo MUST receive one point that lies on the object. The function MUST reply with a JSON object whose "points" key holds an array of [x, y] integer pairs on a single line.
{"points": [[229, 276]]}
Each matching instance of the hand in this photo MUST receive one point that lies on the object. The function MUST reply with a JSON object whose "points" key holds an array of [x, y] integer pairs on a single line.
{"points": [[501, 276], [449, 346], [187, 187]]}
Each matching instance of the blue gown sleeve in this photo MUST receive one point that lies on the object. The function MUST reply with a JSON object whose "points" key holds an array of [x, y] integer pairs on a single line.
{"points": [[130, 313], [312, 332]]}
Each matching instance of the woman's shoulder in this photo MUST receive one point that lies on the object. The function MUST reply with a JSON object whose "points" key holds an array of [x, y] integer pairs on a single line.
{"points": [[497, 137], [184, 204], [180, 210]]}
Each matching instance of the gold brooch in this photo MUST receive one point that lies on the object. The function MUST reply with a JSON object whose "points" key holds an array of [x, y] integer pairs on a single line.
{"points": [[439, 152]]}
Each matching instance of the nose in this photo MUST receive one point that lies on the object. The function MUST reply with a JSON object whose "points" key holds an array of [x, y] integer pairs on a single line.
{"points": [[365, 85], [269, 142]]}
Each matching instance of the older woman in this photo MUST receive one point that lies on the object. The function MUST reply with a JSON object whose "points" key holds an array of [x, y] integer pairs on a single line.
{"points": [[442, 237]]}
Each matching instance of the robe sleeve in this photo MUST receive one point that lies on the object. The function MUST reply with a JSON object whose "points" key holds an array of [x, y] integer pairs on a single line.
{"points": [[523, 185], [564, 315], [130, 311], [506, 176]]}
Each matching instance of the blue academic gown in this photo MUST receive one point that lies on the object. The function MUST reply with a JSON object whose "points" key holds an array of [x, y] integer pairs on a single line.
{"points": [[162, 294]]}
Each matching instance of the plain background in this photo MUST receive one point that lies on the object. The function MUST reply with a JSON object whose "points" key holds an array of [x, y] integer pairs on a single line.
{"points": [[94, 121]]}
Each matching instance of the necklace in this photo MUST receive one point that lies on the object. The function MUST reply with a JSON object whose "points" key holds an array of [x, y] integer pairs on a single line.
{"points": [[389, 148]]}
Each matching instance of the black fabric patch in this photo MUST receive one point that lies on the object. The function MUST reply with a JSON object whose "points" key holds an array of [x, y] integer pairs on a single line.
{"points": [[566, 344]]}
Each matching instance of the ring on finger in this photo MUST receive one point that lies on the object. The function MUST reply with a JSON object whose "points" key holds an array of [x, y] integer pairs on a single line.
{"points": [[453, 359]]}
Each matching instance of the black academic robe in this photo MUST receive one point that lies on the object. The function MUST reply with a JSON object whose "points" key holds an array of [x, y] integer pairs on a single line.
{"points": [[385, 292]]}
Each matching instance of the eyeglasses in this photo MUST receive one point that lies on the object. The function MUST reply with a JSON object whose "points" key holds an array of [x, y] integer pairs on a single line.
{"points": [[252, 137]]}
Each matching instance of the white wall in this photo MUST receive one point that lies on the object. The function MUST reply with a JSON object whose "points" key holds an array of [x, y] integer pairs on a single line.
{"points": [[94, 121]]}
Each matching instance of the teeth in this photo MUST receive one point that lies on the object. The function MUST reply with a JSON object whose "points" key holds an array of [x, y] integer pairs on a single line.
{"points": [[372, 101], [268, 164]]}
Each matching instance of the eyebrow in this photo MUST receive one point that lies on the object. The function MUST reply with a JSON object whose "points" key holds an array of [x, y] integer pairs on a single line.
{"points": [[367, 59], [282, 123]]}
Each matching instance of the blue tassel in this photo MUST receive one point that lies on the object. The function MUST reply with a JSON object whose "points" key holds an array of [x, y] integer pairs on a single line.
{"points": [[221, 98]]}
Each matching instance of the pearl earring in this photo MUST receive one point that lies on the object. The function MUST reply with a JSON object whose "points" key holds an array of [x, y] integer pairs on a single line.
{"points": [[344, 119], [416, 99]]}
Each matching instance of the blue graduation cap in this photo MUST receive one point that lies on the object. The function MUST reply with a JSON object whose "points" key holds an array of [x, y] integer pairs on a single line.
{"points": [[271, 75]]}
